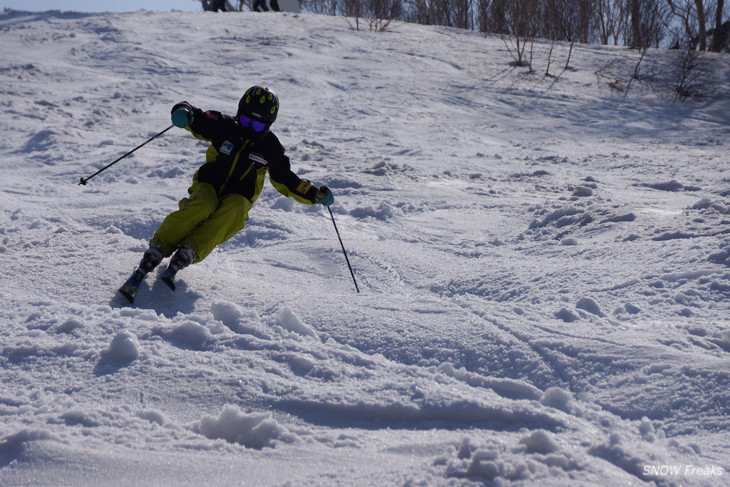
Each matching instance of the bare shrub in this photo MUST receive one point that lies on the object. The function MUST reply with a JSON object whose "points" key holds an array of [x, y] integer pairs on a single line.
{"points": [[692, 73], [375, 14]]}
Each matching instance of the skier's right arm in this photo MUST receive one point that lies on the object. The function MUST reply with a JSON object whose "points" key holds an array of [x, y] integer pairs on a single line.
{"points": [[201, 124]]}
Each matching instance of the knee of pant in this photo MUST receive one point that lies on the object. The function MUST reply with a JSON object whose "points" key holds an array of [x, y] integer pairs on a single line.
{"points": [[237, 207]]}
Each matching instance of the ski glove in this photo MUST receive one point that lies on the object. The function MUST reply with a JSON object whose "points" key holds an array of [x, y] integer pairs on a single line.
{"points": [[181, 116], [324, 196]]}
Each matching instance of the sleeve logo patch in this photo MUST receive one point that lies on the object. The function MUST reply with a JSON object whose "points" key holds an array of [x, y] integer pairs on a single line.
{"points": [[227, 147], [304, 187]]}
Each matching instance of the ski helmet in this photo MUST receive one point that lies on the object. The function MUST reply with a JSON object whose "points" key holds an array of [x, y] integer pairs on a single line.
{"points": [[259, 103]]}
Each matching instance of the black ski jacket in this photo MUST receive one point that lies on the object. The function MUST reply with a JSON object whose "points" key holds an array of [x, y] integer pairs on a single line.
{"points": [[238, 164]]}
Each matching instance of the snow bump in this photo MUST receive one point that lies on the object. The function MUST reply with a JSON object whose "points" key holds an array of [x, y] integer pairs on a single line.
{"points": [[257, 430]]}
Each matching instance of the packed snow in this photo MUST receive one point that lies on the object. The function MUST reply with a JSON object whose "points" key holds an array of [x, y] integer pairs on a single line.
{"points": [[544, 262]]}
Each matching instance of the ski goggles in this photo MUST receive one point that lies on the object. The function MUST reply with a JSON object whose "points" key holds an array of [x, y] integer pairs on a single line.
{"points": [[255, 125]]}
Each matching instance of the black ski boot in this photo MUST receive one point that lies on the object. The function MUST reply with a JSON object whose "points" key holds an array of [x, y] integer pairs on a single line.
{"points": [[182, 258], [151, 259]]}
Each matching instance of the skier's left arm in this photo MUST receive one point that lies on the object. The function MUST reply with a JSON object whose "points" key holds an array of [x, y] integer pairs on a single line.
{"points": [[289, 184]]}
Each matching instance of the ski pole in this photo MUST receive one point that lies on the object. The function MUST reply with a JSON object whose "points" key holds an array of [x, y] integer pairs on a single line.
{"points": [[343, 249], [84, 180]]}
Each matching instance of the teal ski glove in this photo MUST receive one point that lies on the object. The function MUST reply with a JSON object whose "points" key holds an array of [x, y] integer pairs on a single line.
{"points": [[324, 196], [181, 117]]}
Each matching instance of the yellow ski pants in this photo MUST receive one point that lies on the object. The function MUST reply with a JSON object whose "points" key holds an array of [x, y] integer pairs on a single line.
{"points": [[203, 221]]}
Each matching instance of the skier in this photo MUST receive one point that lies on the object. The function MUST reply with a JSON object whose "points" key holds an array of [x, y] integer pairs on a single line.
{"points": [[242, 150], [215, 5], [260, 6]]}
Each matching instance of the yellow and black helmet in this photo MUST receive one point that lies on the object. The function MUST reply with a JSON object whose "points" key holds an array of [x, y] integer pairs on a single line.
{"points": [[260, 103]]}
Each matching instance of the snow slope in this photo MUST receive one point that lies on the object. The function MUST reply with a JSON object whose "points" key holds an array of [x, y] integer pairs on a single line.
{"points": [[544, 263]]}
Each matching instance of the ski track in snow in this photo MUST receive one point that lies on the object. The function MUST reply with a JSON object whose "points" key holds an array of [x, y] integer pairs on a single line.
{"points": [[544, 263]]}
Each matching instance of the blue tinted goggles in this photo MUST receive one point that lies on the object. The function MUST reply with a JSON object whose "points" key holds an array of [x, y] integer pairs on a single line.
{"points": [[255, 125]]}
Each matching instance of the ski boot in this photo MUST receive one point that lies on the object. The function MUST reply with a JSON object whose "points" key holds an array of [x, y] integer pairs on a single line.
{"points": [[151, 259], [182, 258]]}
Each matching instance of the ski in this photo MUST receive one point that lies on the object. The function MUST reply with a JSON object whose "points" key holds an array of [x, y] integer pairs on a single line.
{"points": [[131, 286], [168, 277]]}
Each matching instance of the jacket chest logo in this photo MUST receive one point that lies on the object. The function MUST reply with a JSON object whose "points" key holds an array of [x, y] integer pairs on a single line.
{"points": [[258, 158], [227, 147]]}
